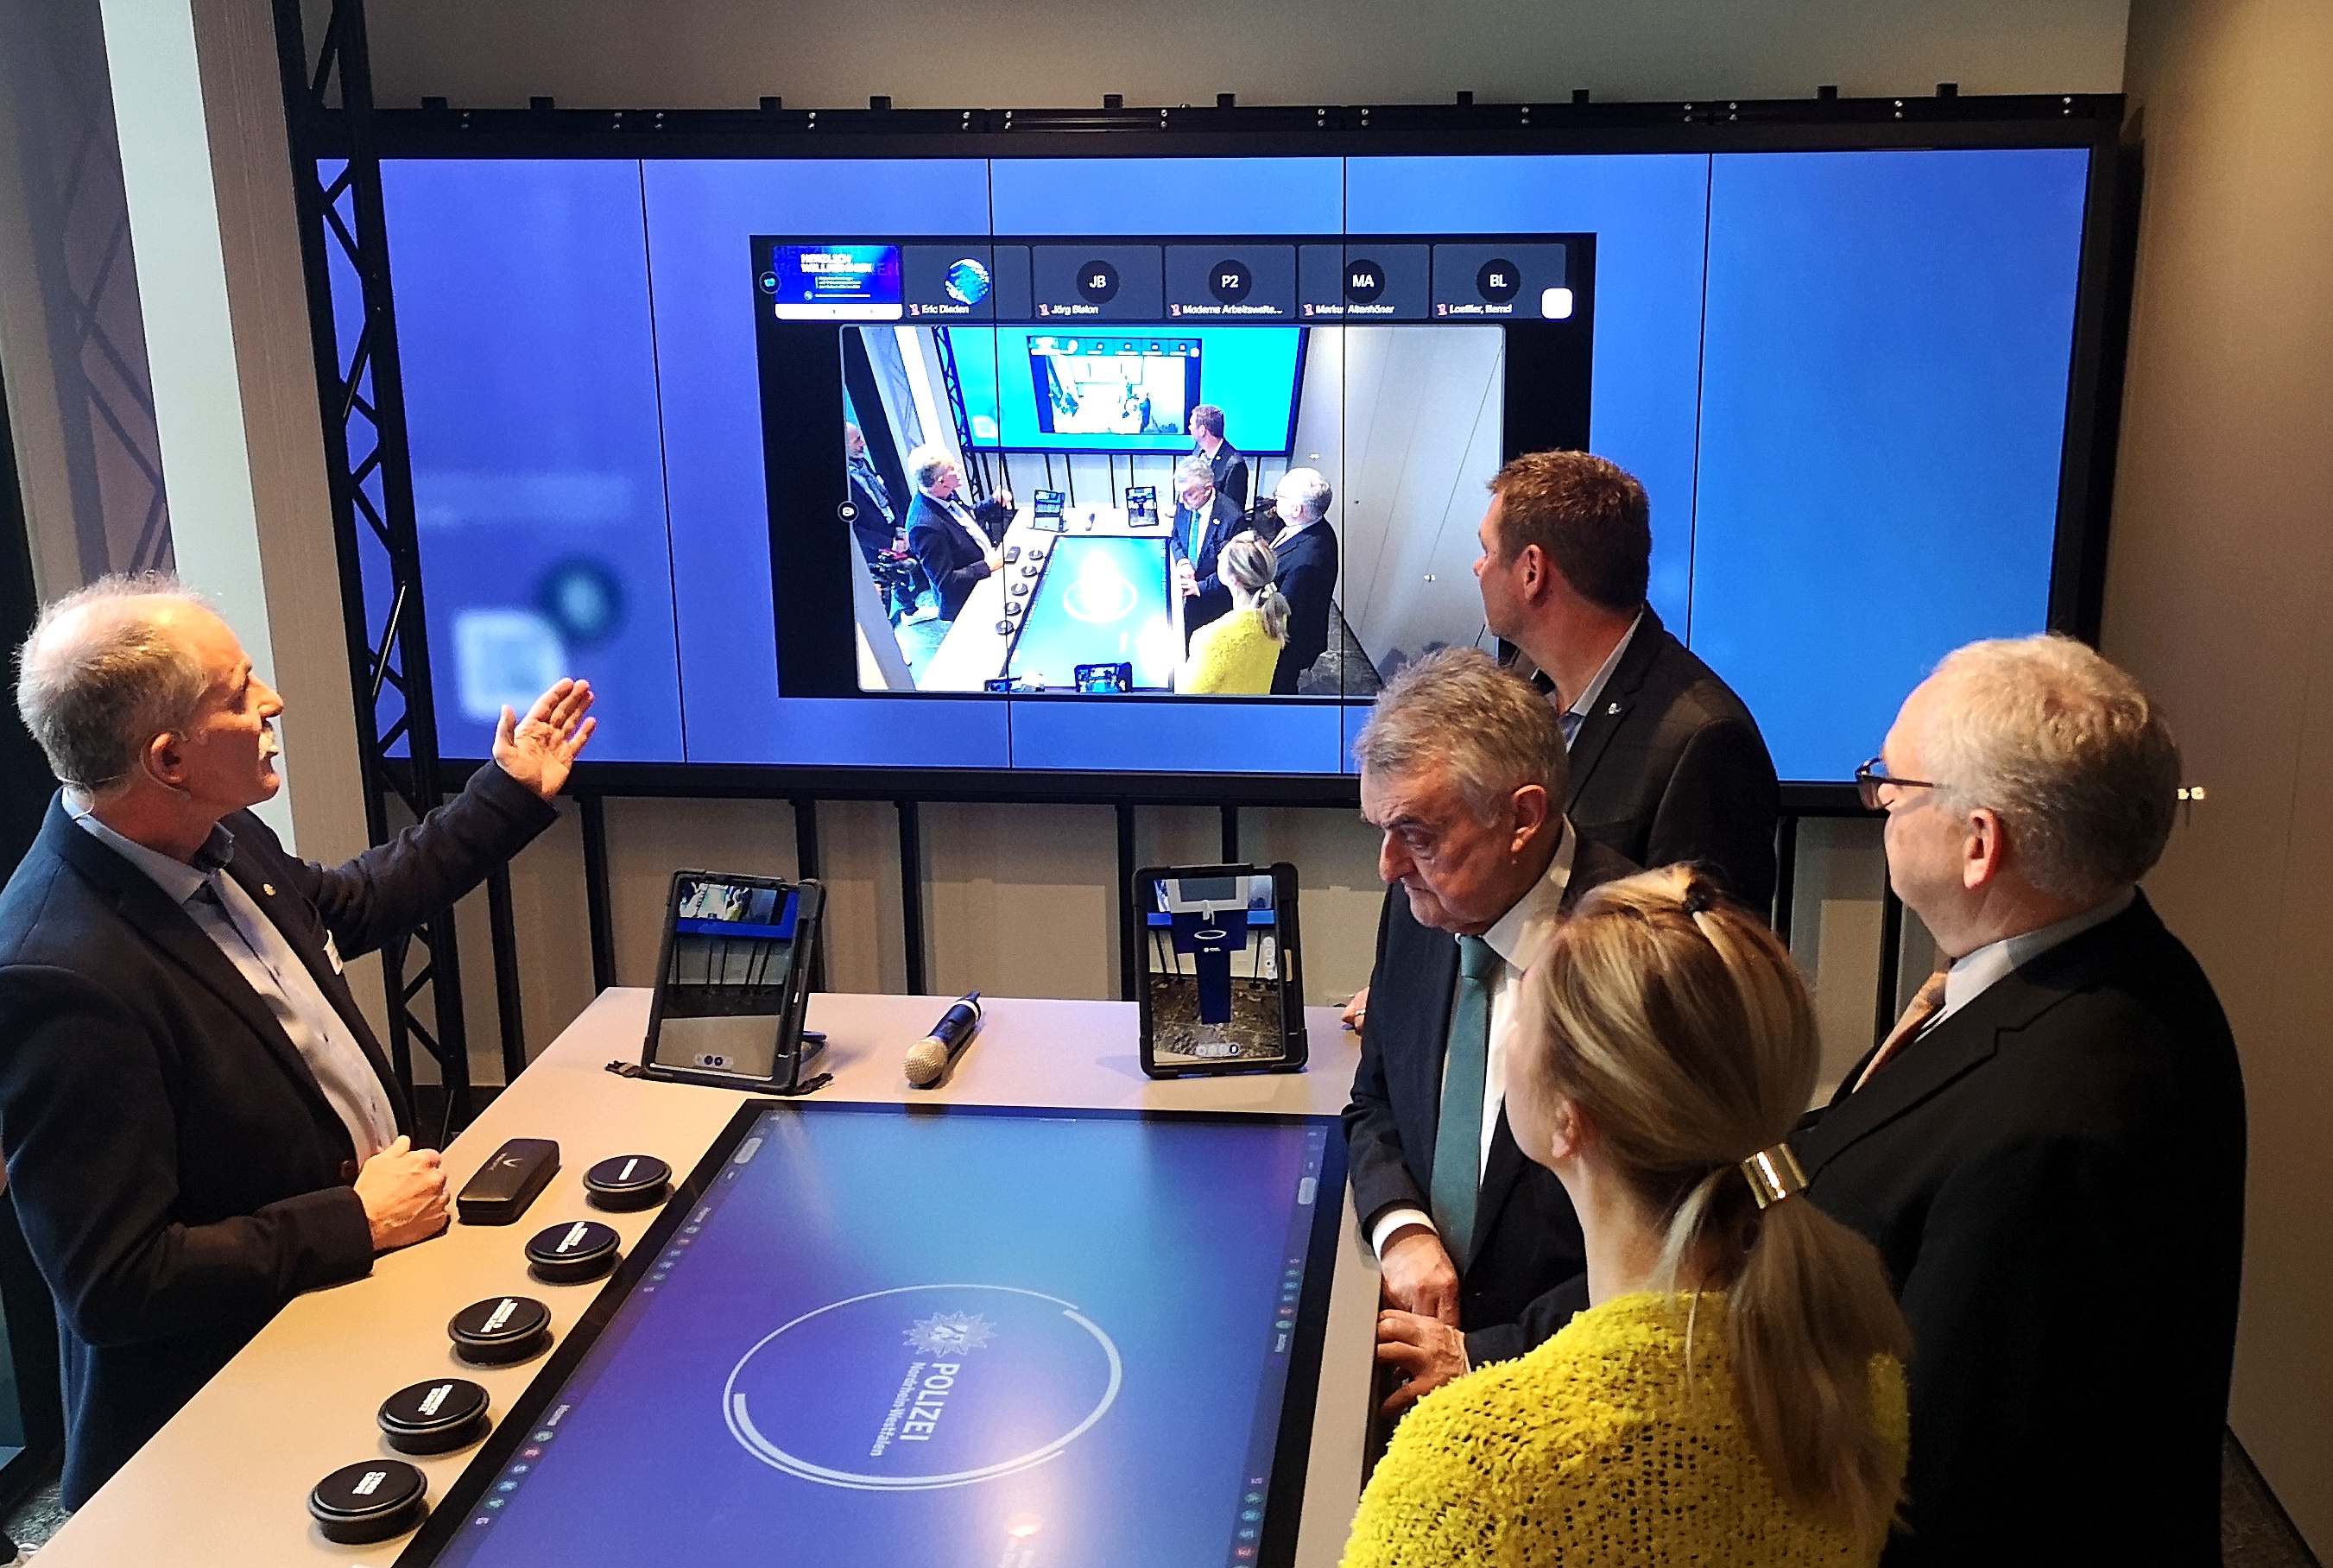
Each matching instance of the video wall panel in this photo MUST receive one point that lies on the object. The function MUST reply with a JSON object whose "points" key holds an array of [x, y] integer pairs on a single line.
{"points": [[1821, 365]]}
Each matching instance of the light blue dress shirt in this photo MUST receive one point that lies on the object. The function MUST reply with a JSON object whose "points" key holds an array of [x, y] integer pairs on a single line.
{"points": [[250, 941]]}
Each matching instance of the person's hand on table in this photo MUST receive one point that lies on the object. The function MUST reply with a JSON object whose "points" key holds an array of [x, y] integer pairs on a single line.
{"points": [[993, 556], [539, 750], [1418, 1276], [403, 1190], [1427, 1351], [1357, 1011]]}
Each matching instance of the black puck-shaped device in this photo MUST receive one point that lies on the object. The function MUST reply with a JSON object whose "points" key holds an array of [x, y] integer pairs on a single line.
{"points": [[356, 1504], [500, 1330], [436, 1417], [629, 1181], [572, 1254]]}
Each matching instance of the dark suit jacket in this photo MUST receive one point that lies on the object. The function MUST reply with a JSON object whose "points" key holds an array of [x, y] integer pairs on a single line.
{"points": [[1307, 576], [945, 551], [875, 532], [178, 1171], [1230, 470], [2055, 1174], [1214, 599], [1527, 1273], [1670, 766]]}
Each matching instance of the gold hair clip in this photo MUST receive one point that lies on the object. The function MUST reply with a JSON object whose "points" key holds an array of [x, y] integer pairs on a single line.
{"points": [[1774, 1174]]}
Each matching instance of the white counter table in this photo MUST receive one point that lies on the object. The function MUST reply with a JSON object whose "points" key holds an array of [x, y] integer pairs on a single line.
{"points": [[226, 1481]]}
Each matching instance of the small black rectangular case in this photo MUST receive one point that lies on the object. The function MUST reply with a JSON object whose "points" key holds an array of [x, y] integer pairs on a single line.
{"points": [[508, 1182]]}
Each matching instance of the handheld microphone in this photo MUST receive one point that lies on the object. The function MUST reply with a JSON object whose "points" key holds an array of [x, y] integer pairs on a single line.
{"points": [[930, 1056]]}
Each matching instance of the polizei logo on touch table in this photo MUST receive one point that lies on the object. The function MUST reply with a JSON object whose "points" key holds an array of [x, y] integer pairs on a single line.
{"points": [[981, 1381], [923, 1396]]}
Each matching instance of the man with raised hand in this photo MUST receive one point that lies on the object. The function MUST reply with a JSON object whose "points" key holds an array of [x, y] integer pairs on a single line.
{"points": [[198, 1122]]}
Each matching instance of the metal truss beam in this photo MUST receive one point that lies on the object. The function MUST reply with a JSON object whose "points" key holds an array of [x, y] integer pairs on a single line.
{"points": [[336, 175]]}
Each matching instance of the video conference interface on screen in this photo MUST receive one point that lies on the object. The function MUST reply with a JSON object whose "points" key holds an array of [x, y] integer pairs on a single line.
{"points": [[1109, 582], [630, 452]]}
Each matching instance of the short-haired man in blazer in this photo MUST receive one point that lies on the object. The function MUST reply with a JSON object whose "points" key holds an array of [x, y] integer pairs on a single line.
{"points": [[1223, 459], [1666, 763], [198, 1122], [1480, 1248], [2049, 1148]]}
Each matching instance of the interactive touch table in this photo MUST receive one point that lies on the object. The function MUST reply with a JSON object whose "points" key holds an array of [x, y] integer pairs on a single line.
{"points": [[226, 1481], [885, 1334], [1100, 592]]}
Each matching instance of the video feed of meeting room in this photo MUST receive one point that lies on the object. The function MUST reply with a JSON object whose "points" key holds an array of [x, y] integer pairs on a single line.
{"points": [[1210, 969], [1085, 431]]}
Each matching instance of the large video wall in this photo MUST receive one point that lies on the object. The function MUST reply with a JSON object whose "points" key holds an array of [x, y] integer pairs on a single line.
{"points": [[1843, 377]]}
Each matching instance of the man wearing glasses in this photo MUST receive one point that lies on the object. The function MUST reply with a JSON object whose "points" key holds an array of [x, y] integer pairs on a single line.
{"points": [[2048, 1148]]}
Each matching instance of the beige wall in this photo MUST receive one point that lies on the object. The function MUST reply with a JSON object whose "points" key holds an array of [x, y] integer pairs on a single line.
{"points": [[2219, 597], [707, 53]]}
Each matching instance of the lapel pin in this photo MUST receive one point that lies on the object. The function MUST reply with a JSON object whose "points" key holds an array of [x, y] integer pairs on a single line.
{"points": [[267, 888], [1614, 709]]}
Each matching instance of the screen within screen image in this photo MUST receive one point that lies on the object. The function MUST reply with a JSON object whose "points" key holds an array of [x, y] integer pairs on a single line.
{"points": [[630, 463], [724, 988], [1114, 387], [1211, 970], [825, 283], [1042, 1338]]}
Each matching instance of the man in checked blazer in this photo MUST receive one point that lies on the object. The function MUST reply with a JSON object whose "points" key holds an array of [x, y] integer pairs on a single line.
{"points": [[1480, 1249], [198, 1124], [2049, 1149]]}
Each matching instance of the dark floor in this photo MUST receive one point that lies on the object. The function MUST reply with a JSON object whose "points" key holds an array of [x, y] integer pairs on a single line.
{"points": [[2253, 1530]]}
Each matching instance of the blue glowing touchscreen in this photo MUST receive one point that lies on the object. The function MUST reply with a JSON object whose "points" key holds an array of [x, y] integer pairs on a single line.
{"points": [[868, 1335], [1101, 600]]}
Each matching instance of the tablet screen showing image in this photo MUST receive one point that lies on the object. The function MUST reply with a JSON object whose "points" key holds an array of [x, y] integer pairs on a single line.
{"points": [[725, 991], [1212, 984]]}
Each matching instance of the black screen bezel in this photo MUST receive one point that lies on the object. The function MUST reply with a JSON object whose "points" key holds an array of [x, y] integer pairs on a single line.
{"points": [[1292, 1452]]}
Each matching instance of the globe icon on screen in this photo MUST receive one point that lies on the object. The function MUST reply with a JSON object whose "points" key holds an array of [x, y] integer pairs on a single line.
{"points": [[967, 281]]}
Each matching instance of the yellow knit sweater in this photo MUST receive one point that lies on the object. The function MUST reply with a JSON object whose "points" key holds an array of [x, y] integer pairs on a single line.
{"points": [[1591, 1449], [1231, 656]]}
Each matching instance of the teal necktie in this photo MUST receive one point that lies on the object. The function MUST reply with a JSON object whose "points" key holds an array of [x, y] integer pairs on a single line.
{"points": [[1458, 1137]]}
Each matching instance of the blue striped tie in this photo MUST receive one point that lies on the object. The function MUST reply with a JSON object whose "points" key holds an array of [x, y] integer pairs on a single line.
{"points": [[1458, 1138]]}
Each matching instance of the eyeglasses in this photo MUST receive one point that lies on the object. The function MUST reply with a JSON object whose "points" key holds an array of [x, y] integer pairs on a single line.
{"points": [[1873, 775]]}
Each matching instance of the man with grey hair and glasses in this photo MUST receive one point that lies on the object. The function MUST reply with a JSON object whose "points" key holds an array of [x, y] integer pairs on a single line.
{"points": [[1462, 766], [198, 1123], [2049, 1147]]}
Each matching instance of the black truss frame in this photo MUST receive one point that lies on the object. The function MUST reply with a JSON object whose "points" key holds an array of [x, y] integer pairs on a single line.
{"points": [[333, 119], [362, 394]]}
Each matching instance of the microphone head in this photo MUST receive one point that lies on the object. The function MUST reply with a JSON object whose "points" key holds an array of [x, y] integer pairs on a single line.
{"points": [[926, 1061]]}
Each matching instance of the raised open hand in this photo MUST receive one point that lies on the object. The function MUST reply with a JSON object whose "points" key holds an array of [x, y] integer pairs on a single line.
{"points": [[539, 750]]}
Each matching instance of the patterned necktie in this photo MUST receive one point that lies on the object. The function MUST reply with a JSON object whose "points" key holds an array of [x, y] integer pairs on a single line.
{"points": [[1457, 1178], [1926, 1004], [1569, 721]]}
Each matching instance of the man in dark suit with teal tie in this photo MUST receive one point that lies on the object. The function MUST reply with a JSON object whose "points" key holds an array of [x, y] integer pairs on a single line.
{"points": [[1462, 766]]}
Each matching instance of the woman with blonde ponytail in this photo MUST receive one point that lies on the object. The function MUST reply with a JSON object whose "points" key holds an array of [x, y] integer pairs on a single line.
{"points": [[1735, 1393], [1237, 653]]}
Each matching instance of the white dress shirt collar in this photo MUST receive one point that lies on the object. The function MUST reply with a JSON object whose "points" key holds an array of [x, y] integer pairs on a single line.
{"points": [[1972, 975], [1521, 935], [1585, 702], [175, 877]]}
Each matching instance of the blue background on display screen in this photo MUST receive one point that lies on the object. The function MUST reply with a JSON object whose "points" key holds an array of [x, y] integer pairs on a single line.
{"points": [[887, 1293], [1824, 366]]}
